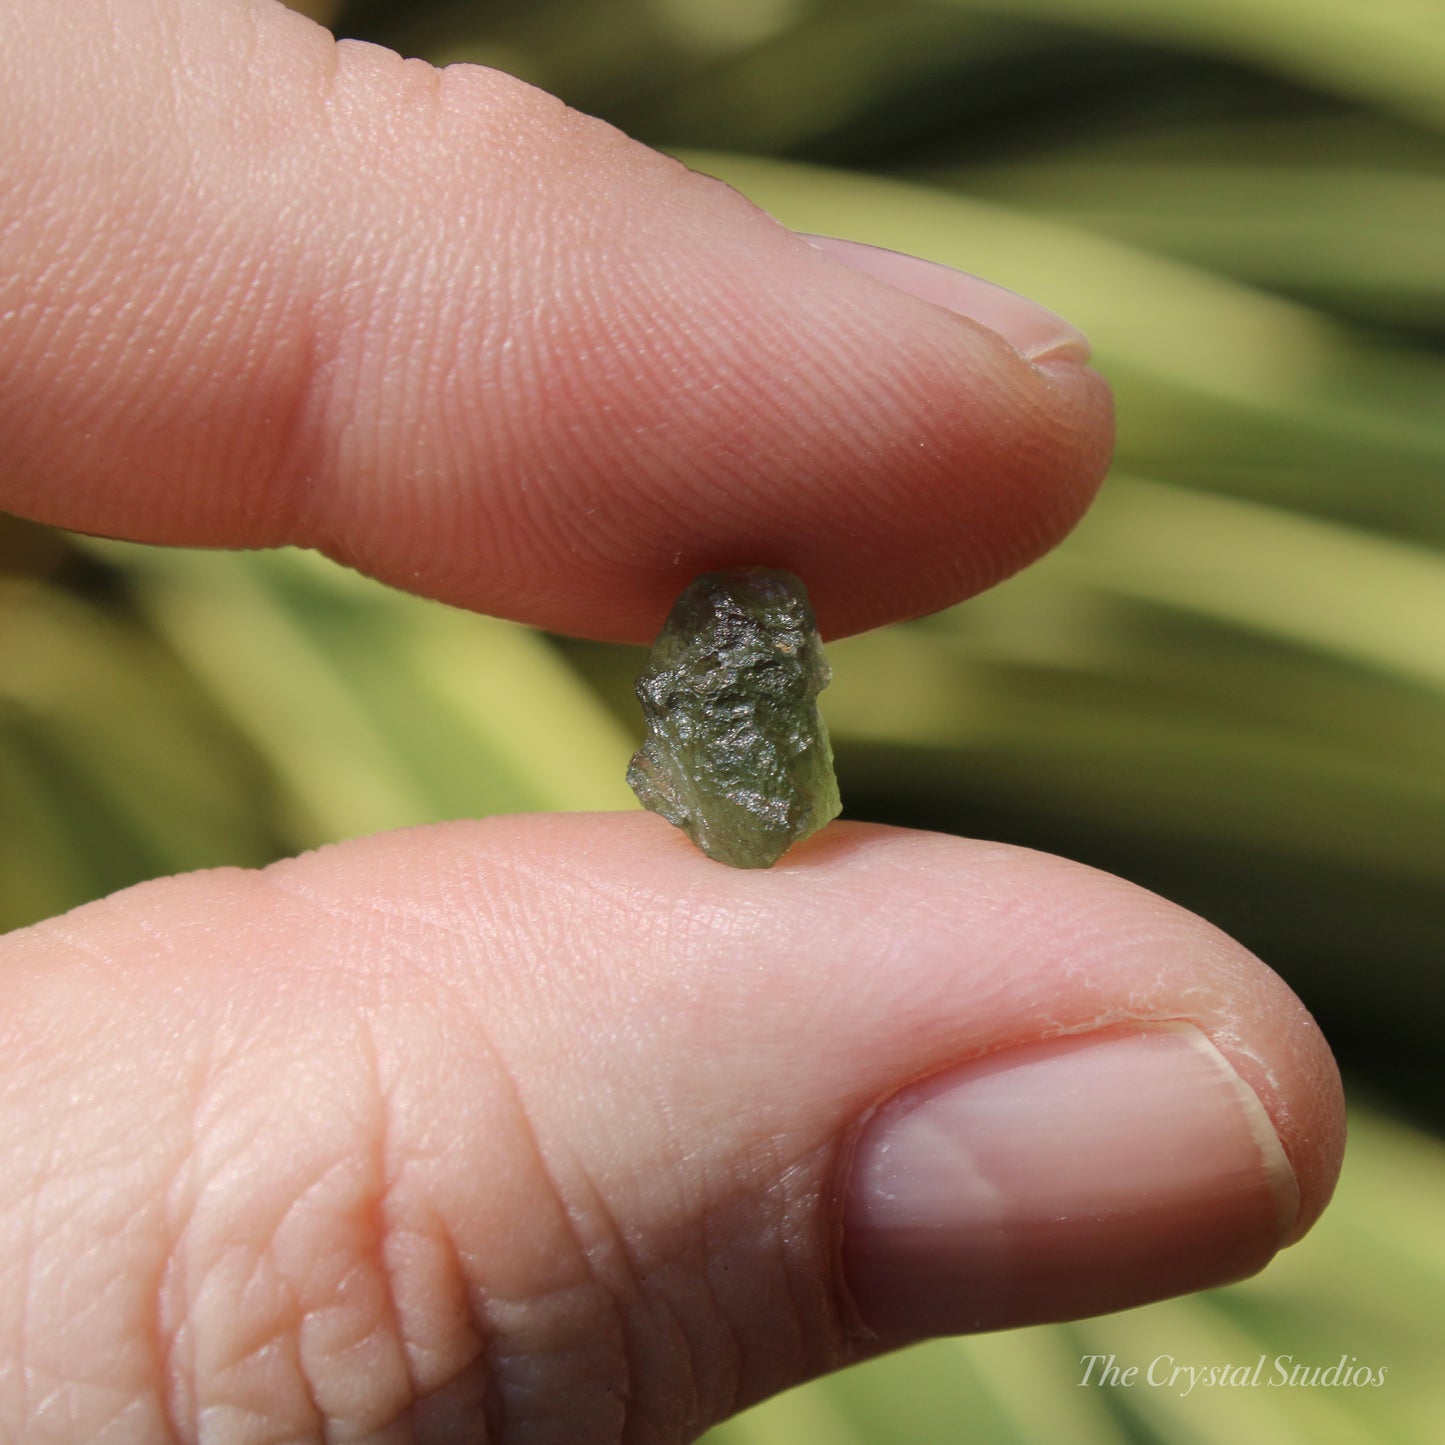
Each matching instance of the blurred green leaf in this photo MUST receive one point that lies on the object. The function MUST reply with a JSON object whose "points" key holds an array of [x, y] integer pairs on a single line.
{"points": [[1367, 238], [378, 709], [1361, 599], [258, 704], [115, 767], [1390, 53], [1213, 379]]}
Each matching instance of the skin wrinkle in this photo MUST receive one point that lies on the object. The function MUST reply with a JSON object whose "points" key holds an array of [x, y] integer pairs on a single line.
{"points": [[389, 1217], [296, 467], [177, 1384], [662, 1342], [356, 1201], [466, 1387], [718, 1390], [109, 1175], [464, 1398], [376, 1215], [762, 1242], [712, 1347], [660, 1302], [701, 1345], [213, 1182], [408, 1233], [418, 103], [520, 1128], [133, 1384], [290, 420], [25, 1293], [270, 1348], [525, 1130], [804, 1236]]}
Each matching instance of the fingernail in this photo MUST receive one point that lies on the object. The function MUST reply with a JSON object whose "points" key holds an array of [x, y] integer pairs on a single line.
{"points": [[1035, 333], [1063, 1179]]}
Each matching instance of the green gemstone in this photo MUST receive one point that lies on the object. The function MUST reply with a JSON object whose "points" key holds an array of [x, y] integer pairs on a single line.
{"points": [[736, 754]]}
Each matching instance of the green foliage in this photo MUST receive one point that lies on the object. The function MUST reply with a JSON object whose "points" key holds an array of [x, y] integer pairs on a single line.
{"points": [[232, 708]]}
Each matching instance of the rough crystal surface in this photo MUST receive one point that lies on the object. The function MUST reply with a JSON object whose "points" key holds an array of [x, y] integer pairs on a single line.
{"points": [[736, 754]]}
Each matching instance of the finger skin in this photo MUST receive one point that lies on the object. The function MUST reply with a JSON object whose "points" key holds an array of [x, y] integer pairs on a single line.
{"points": [[263, 288], [535, 1121]]}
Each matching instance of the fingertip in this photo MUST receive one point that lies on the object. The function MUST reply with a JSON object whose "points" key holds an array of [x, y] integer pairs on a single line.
{"points": [[685, 386], [462, 338], [1060, 1179], [1298, 1083]]}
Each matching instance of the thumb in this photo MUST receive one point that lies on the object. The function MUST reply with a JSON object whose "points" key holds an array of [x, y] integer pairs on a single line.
{"points": [[262, 288], [550, 1129]]}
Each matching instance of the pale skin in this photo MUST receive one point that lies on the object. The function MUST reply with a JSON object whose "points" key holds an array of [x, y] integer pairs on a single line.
{"points": [[531, 1129]]}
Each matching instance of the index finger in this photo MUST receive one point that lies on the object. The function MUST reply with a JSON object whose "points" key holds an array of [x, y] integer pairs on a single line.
{"points": [[264, 288]]}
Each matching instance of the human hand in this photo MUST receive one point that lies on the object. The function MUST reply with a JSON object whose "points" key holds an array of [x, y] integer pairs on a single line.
{"points": [[550, 1129]]}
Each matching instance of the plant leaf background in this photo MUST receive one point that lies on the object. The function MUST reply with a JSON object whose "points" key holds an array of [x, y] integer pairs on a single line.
{"points": [[1228, 685]]}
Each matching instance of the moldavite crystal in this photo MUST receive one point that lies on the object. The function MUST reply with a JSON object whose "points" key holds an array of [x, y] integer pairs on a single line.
{"points": [[736, 754]]}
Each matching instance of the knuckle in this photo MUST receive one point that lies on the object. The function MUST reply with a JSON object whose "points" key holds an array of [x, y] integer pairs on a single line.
{"points": [[274, 1305], [364, 1240]]}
